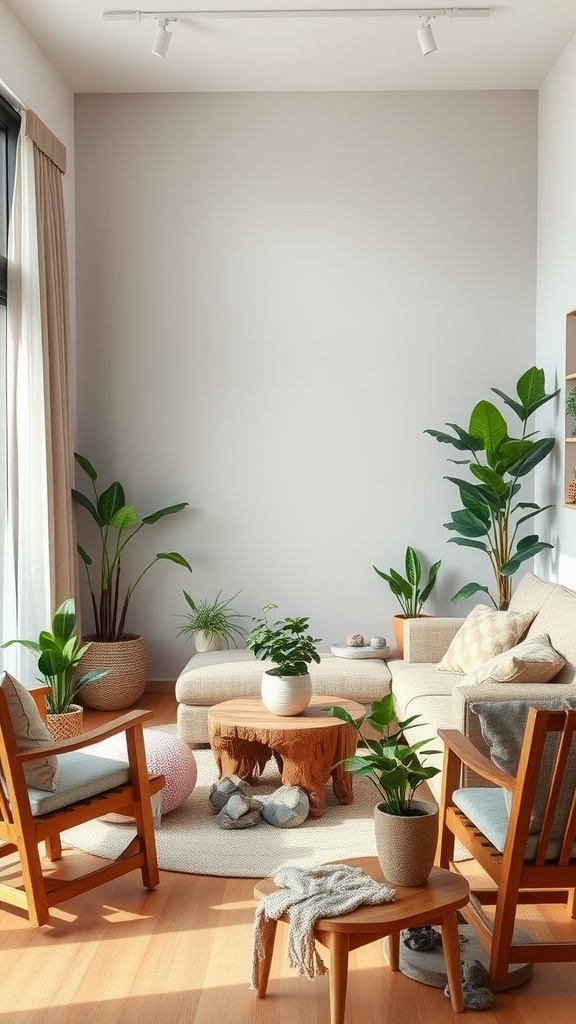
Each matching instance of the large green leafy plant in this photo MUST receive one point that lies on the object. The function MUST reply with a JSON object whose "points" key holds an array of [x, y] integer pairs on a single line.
{"points": [[59, 654], [117, 523], [491, 516], [394, 767], [286, 642], [216, 619], [407, 590]]}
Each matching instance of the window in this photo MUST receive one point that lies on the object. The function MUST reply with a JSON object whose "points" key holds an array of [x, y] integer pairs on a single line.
{"points": [[9, 127]]}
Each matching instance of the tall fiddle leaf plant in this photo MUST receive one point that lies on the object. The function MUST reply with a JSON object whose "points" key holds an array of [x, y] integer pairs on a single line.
{"points": [[117, 524], [492, 514]]}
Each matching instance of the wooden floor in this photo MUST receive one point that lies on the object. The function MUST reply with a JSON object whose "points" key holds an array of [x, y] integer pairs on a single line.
{"points": [[182, 954]]}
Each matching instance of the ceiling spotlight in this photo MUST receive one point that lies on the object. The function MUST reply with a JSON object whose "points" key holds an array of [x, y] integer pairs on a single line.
{"points": [[426, 36], [162, 40]]}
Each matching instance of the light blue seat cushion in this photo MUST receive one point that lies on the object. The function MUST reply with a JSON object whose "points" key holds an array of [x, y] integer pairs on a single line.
{"points": [[79, 777], [487, 809]]}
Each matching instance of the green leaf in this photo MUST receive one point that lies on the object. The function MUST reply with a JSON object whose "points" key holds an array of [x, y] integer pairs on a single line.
{"points": [[30, 645], [341, 713], [475, 505], [468, 591], [478, 491], [531, 387], [444, 438], [527, 542], [86, 466], [110, 501], [84, 555], [488, 424], [522, 555], [530, 515], [173, 556], [431, 581], [467, 542], [169, 511], [473, 444], [513, 450], [511, 402], [490, 478], [413, 567], [124, 518], [467, 524], [81, 499], [64, 620], [539, 451]]}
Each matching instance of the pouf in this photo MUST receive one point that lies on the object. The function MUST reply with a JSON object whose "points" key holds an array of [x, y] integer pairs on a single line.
{"points": [[165, 755]]}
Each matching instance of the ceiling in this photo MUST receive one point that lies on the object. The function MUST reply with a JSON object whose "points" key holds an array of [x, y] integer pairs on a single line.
{"points": [[514, 48]]}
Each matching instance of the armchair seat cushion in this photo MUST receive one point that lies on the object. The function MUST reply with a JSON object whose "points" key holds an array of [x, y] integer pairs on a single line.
{"points": [[486, 808], [80, 776]]}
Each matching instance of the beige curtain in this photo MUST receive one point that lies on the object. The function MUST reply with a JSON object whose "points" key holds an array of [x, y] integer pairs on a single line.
{"points": [[49, 166]]}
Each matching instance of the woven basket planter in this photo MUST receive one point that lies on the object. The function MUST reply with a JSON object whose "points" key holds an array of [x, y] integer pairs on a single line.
{"points": [[64, 726], [406, 845], [125, 683]]}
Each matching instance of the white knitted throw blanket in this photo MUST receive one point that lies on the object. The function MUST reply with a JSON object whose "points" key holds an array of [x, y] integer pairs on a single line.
{"points": [[306, 895]]}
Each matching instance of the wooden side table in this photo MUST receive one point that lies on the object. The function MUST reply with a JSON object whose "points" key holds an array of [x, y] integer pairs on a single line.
{"points": [[434, 903], [244, 735]]}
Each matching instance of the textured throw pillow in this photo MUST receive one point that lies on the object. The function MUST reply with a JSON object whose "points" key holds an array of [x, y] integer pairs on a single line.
{"points": [[485, 633], [532, 661], [30, 733], [503, 724]]}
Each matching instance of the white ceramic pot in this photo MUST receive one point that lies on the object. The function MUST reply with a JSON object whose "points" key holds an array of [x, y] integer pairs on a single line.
{"points": [[406, 845], [286, 695], [204, 643]]}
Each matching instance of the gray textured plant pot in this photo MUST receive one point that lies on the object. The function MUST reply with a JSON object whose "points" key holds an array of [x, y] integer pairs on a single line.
{"points": [[406, 845]]}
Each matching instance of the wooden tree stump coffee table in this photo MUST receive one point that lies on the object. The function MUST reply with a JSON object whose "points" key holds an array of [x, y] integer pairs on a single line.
{"points": [[437, 902], [244, 736]]}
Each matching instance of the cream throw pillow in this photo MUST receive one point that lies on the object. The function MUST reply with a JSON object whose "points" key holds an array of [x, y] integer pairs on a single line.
{"points": [[30, 733], [485, 633], [532, 661]]}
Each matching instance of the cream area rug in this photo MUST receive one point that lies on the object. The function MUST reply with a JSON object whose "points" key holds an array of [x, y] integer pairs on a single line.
{"points": [[189, 840]]}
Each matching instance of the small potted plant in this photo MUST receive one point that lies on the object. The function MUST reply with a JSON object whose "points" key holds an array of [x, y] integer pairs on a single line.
{"points": [[286, 687], [407, 591], [59, 654], [124, 653], [406, 829], [213, 624]]}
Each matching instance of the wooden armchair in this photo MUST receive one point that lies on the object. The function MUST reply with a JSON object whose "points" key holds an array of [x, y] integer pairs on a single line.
{"points": [[87, 787], [525, 843]]}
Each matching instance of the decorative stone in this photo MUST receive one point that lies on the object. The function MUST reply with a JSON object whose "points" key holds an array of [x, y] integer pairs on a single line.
{"points": [[355, 640], [475, 992], [239, 812], [378, 642], [220, 792], [287, 807]]}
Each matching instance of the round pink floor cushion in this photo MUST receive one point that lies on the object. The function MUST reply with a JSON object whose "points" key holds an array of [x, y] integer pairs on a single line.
{"points": [[165, 755]]}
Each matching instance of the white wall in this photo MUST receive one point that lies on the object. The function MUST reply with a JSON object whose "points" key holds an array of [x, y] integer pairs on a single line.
{"points": [[277, 294], [557, 288]]}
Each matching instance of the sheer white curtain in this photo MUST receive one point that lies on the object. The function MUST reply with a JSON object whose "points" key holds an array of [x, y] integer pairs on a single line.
{"points": [[26, 593]]}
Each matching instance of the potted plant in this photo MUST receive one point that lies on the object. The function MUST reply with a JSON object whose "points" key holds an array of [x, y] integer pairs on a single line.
{"points": [[406, 829], [571, 409], [498, 463], [124, 653], [407, 591], [59, 654], [286, 687], [212, 623]]}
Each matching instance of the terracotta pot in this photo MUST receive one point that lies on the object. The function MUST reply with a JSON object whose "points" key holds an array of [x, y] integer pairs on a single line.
{"points": [[126, 681], [286, 695], [406, 845], [67, 724]]}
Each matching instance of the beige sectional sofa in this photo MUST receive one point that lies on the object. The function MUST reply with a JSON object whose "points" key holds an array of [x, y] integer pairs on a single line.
{"points": [[420, 687], [444, 703]]}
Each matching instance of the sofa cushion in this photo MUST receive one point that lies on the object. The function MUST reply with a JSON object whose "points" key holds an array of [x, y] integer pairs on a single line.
{"points": [[503, 726], [531, 594], [484, 634], [30, 733], [557, 618], [531, 661]]}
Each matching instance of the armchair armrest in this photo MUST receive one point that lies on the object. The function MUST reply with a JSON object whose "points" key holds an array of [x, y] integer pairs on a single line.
{"points": [[428, 638], [466, 752], [86, 739]]}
